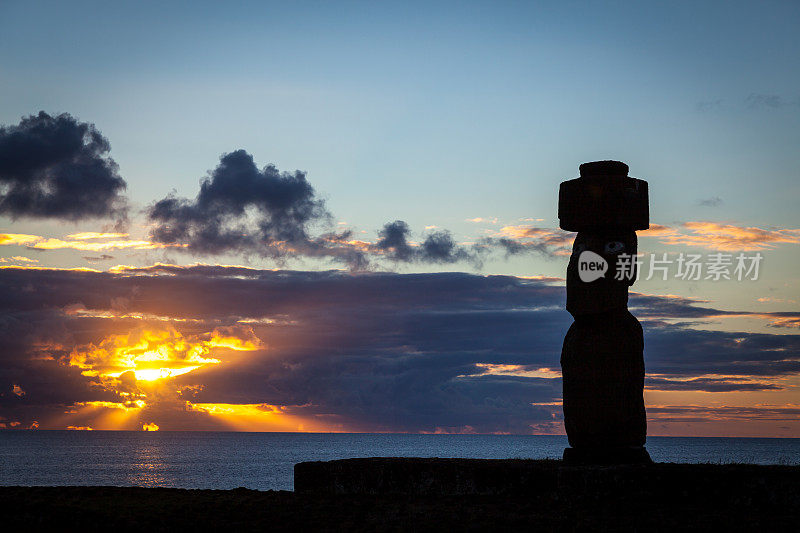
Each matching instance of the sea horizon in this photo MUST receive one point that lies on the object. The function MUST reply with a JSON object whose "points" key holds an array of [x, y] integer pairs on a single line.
{"points": [[265, 460], [202, 430]]}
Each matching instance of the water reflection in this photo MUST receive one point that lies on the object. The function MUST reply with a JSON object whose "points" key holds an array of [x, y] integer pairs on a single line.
{"points": [[149, 465]]}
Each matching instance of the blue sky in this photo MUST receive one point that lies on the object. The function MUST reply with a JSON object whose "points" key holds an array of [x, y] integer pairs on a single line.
{"points": [[436, 113], [432, 114], [416, 103]]}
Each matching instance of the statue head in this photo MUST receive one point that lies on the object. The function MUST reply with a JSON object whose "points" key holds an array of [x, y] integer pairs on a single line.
{"points": [[601, 268]]}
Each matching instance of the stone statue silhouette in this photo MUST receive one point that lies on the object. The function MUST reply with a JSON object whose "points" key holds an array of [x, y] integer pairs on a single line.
{"points": [[602, 359]]}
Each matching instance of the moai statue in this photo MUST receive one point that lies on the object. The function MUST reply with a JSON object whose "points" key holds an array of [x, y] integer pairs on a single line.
{"points": [[602, 359]]}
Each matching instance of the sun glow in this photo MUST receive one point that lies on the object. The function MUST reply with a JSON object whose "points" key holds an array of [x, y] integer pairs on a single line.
{"points": [[263, 417], [152, 374], [136, 368], [153, 354]]}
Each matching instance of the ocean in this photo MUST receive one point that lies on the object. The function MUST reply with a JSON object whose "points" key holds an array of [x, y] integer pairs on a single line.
{"points": [[264, 461]]}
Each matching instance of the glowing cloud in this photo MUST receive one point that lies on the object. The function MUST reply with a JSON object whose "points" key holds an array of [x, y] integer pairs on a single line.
{"points": [[728, 237], [87, 242], [261, 417], [526, 238], [148, 355]]}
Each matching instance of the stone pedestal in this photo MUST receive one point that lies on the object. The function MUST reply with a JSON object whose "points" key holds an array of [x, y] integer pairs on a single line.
{"points": [[606, 456]]}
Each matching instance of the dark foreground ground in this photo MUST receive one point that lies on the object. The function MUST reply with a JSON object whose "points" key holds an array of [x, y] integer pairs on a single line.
{"points": [[763, 498]]}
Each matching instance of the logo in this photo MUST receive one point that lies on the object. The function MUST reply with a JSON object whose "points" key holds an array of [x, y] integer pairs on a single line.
{"points": [[591, 266]]}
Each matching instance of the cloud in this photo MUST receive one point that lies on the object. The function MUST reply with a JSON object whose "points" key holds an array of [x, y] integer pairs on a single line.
{"points": [[58, 167], [523, 238], [664, 307], [437, 247], [102, 257], [657, 230], [705, 413], [765, 299], [18, 259], [393, 239], [145, 354], [708, 385], [20, 239], [752, 101], [725, 237], [89, 242], [329, 350], [771, 101], [714, 201], [370, 351], [708, 105], [241, 209]]}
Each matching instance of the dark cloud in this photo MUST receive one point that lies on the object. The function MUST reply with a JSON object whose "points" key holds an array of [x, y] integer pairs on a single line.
{"points": [[708, 385], [58, 167], [216, 221], [515, 240], [437, 247], [708, 105], [771, 101], [714, 201], [372, 351], [42, 372], [101, 257], [241, 209], [702, 414], [516, 247], [376, 350], [393, 239]]}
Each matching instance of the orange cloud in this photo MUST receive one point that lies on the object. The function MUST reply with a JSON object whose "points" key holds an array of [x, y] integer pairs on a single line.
{"points": [[87, 246], [787, 412], [784, 322], [147, 355], [18, 259], [657, 230], [160, 269], [138, 368], [262, 417], [89, 235], [87, 242], [28, 267], [497, 369], [22, 239], [724, 421], [771, 299], [727, 237], [557, 241]]}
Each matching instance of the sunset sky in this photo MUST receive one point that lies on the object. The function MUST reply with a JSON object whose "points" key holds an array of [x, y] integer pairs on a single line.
{"points": [[319, 216]]}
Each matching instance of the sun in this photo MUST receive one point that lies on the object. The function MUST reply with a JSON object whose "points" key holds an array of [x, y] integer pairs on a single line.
{"points": [[152, 374], [162, 363]]}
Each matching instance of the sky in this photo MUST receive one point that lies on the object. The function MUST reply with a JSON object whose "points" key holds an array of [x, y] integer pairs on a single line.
{"points": [[317, 216]]}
